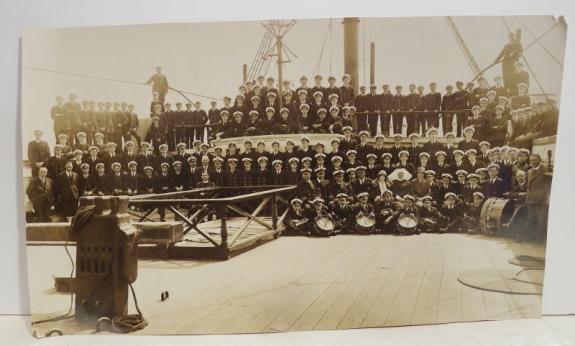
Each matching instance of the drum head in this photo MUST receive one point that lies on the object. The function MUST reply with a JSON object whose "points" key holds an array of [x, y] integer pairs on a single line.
{"points": [[365, 220], [325, 223], [407, 222]]}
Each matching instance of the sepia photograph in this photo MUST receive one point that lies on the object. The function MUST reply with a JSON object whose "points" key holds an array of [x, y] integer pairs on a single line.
{"points": [[288, 174]]}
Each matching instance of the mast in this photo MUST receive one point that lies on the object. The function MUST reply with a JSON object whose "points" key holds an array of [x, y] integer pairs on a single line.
{"points": [[372, 63], [350, 49], [278, 29]]}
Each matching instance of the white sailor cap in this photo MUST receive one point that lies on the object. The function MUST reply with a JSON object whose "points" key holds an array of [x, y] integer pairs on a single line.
{"points": [[426, 198], [218, 159], [478, 194], [351, 151], [458, 152], [238, 113], [338, 172], [341, 195], [262, 158], [363, 194], [93, 147], [304, 105], [305, 170], [333, 96], [132, 163], [275, 162], [302, 92], [469, 128], [271, 94], [296, 201], [360, 168], [403, 152], [204, 145], [336, 157], [111, 144], [319, 155], [350, 169], [431, 130], [284, 110], [84, 165], [371, 156], [193, 158], [493, 165], [346, 128], [317, 200], [318, 169], [450, 134], [289, 141], [181, 145], [424, 153], [62, 135], [524, 151], [317, 93], [322, 111], [447, 175], [450, 195], [248, 141], [334, 108], [461, 172], [484, 143], [409, 198], [254, 112], [473, 176], [382, 172], [379, 136], [270, 109], [470, 151], [293, 159], [397, 136], [99, 134], [78, 151], [384, 155], [98, 165], [363, 133], [440, 152], [413, 135], [247, 159], [232, 159], [81, 134], [116, 164], [306, 159], [335, 140], [430, 172], [255, 98]]}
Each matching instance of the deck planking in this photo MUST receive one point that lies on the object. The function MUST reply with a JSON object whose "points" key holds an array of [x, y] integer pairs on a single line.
{"points": [[296, 283]]}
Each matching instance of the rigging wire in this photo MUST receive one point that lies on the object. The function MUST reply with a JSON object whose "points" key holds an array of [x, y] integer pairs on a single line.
{"points": [[474, 38], [527, 63], [539, 42], [330, 45], [317, 65], [80, 75]]}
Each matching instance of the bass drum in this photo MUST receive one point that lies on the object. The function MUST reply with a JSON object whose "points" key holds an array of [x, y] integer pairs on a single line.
{"points": [[406, 224], [495, 215], [365, 223], [324, 225]]}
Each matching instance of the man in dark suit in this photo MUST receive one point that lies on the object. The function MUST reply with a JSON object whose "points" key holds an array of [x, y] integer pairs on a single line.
{"points": [[66, 191], [493, 186], [159, 84], [398, 106], [38, 152], [40, 192], [372, 104], [537, 198], [431, 102]]}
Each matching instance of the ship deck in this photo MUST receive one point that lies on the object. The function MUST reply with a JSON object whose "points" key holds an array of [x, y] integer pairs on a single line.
{"points": [[297, 283]]}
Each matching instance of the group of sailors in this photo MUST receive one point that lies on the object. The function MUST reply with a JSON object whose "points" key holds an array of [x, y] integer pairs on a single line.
{"points": [[439, 186]]}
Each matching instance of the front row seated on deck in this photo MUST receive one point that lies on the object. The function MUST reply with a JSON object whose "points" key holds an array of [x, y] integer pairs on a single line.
{"points": [[405, 215]]}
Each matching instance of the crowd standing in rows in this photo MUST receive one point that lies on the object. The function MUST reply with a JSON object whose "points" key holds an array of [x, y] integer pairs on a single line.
{"points": [[443, 182]]}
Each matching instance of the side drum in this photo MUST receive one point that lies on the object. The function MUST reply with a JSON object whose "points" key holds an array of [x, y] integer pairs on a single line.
{"points": [[495, 214]]}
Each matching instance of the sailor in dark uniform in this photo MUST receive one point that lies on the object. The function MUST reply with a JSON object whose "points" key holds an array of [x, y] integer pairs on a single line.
{"points": [[133, 179], [387, 165], [348, 142], [468, 141], [372, 169], [293, 174], [116, 180], [347, 92], [433, 145], [247, 173], [441, 166], [342, 212], [396, 147], [318, 87], [449, 146], [493, 186], [86, 186], [414, 148]]}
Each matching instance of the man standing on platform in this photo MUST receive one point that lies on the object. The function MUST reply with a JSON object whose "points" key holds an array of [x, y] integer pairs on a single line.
{"points": [[40, 193], [537, 198], [159, 84], [38, 152]]}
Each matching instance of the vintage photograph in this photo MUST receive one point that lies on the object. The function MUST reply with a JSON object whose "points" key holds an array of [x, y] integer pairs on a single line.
{"points": [[288, 175]]}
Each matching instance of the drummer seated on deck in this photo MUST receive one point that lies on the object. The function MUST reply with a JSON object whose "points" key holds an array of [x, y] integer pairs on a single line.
{"points": [[363, 210], [343, 213], [451, 214], [408, 210], [296, 220]]}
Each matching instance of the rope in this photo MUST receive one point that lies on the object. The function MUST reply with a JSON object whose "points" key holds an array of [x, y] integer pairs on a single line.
{"points": [[526, 62], [539, 42], [80, 75], [317, 65], [130, 323], [330, 45]]}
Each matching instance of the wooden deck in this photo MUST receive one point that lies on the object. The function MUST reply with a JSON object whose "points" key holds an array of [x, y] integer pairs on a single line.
{"points": [[297, 283]]}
